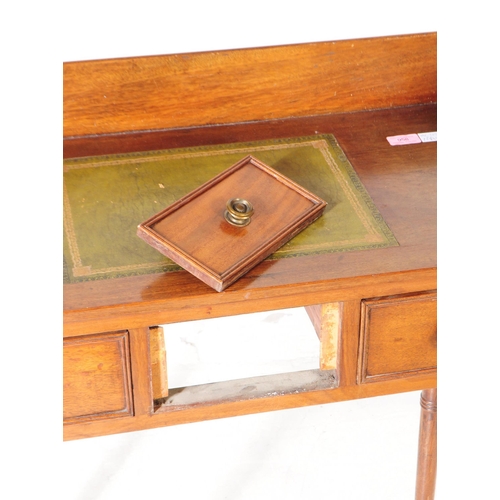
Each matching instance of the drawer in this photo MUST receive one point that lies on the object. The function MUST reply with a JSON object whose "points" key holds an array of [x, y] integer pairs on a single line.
{"points": [[398, 337], [97, 379]]}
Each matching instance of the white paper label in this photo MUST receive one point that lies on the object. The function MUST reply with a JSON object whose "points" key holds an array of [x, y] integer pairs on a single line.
{"points": [[428, 136]]}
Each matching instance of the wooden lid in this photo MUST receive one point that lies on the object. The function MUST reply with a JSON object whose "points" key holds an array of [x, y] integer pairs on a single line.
{"points": [[197, 233]]}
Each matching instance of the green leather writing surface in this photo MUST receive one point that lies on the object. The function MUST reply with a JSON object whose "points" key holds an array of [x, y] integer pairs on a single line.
{"points": [[106, 197]]}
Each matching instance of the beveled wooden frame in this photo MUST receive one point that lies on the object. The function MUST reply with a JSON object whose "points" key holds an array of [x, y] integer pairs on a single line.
{"points": [[203, 271]]}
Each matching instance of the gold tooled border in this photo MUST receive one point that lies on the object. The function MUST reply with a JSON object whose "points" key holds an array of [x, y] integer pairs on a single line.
{"points": [[377, 234]]}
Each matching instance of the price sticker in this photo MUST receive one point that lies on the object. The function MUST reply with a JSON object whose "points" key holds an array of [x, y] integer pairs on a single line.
{"points": [[402, 140]]}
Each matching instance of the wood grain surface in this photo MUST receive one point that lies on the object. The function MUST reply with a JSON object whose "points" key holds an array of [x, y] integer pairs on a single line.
{"points": [[398, 336], [97, 382], [427, 446], [194, 233], [186, 90], [326, 321], [158, 355], [400, 180], [244, 407], [361, 91]]}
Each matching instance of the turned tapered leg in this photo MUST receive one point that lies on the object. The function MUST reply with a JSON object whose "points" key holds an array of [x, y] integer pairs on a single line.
{"points": [[427, 446]]}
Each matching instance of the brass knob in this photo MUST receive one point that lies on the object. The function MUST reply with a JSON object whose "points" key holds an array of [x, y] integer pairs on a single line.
{"points": [[238, 212]]}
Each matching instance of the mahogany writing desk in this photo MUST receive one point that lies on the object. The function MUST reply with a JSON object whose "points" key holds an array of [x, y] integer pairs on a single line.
{"points": [[374, 309]]}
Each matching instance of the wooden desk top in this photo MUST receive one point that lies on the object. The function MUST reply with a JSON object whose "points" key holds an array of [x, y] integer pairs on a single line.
{"points": [[400, 179]]}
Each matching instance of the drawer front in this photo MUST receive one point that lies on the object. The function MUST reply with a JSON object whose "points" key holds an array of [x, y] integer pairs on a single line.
{"points": [[97, 381], [398, 337]]}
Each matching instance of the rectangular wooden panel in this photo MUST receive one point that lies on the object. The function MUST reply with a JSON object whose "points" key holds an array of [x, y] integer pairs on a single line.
{"points": [[398, 337], [158, 362], [97, 382], [183, 90], [196, 233], [326, 321]]}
